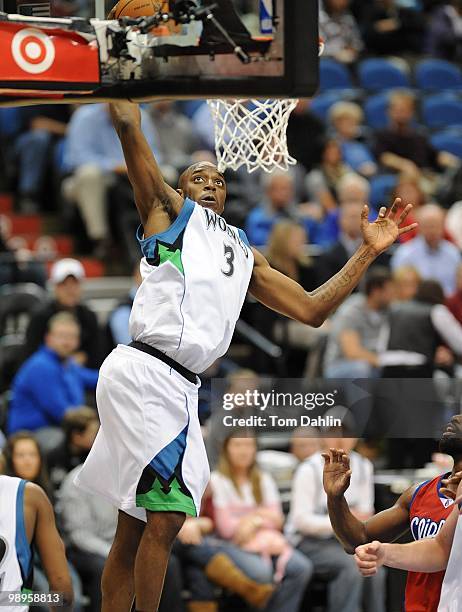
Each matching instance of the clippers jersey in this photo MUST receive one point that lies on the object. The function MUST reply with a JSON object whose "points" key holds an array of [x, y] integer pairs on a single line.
{"points": [[15, 551], [451, 595], [195, 279], [428, 513]]}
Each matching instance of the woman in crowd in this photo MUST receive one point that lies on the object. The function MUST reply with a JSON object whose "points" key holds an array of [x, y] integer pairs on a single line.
{"points": [[23, 459], [248, 513], [322, 182]]}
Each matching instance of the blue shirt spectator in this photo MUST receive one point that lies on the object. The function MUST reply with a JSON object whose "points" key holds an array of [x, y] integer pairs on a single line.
{"points": [[91, 139], [431, 255], [50, 383]]}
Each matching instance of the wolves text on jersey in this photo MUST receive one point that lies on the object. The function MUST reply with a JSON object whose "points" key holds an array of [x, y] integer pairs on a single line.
{"points": [[214, 221]]}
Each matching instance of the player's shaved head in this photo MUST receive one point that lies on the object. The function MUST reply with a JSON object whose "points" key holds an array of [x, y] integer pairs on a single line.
{"points": [[187, 174]]}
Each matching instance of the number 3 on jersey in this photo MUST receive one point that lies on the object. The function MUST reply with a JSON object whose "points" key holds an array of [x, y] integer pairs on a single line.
{"points": [[229, 256]]}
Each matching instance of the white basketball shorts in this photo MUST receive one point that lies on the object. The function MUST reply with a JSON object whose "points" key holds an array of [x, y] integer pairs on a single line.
{"points": [[149, 453]]}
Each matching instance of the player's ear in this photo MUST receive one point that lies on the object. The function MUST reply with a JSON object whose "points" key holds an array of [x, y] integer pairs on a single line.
{"points": [[180, 191]]}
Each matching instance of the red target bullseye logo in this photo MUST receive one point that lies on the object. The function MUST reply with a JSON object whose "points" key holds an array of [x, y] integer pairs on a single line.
{"points": [[33, 50]]}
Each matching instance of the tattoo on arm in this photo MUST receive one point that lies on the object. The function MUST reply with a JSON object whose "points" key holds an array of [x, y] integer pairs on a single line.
{"points": [[346, 279]]}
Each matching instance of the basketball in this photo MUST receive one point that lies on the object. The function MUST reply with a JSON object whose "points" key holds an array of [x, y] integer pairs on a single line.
{"points": [[138, 8]]}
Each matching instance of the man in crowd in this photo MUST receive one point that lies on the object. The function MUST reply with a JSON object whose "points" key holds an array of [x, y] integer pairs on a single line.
{"points": [[422, 508], [401, 147], [429, 253], [357, 330], [49, 384], [66, 277], [94, 157]]}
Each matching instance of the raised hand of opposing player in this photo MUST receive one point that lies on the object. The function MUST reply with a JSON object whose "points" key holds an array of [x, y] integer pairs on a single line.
{"points": [[450, 485], [386, 228], [337, 472], [369, 557]]}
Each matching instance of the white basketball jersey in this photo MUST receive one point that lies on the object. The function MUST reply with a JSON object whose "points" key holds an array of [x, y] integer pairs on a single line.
{"points": [[15, 551], [451, 592], [195, 279]]}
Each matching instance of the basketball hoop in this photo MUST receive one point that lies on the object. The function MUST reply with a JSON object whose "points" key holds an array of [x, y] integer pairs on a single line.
{"points": [[252, 133]]}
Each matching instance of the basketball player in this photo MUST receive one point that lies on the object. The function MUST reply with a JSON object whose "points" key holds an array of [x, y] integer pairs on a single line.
{"points": [[423, 508], [26, 517], [149, 458], [428, 555]]}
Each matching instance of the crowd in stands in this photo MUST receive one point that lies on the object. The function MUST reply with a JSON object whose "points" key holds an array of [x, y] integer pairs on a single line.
{"points": [[357, 141]]}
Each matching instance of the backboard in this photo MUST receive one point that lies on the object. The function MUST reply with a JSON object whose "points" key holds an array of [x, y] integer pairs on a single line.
{"points": [[202, 49]]}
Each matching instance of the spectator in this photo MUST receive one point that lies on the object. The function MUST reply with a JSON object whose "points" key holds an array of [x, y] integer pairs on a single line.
{"points": [[248, 512], [89, 524], [406, 280], [94, 157], [454, 302], [349, 239], [402, 148], [346, 119], [420, 331], [311, 531], [356, 335], [176, 140], [208, 561], [305, 135], [391, 29], [49, 384], [322, 183], [286, 253], [279, 204], [340, 32], [410, 192], [119, 317], [80, 428], [444, 34], [45, 126], [304, 442], [240, 381], [66, 276], [23, 458], [417, 328], [430, 253]]}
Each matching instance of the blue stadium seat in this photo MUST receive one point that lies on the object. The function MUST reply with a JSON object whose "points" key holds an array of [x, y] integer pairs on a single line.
{"points": [[448, 140], [321, 104], [334, 75], [381, 187], [435, 75], [377, 74], [442, 110], [376, 110]]}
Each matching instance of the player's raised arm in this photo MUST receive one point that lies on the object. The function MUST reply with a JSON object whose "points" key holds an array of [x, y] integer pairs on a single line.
{"points": [[351, 532], [49, 545], [287, 297], [428, 555], [158, 204]]}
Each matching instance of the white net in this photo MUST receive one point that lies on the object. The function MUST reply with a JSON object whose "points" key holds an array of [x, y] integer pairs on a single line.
{"points": [[252, 133]]}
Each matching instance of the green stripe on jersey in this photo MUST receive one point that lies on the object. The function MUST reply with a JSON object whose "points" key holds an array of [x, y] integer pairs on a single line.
{"points": [[174, 257]]}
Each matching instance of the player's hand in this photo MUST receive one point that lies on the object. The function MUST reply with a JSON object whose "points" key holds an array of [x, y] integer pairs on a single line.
{"points": [[190, 533], [369, 557], [381, 234], [337, 472], [450, 485]]}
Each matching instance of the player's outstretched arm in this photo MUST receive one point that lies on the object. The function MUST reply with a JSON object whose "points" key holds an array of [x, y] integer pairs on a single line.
{"points": [[158, 204], [50, 546], [350, 531], [287, 297], [428, 555]]}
